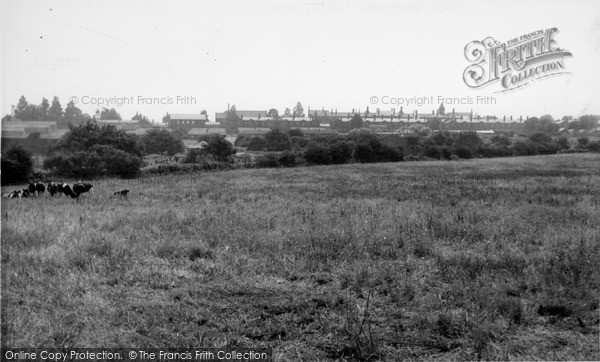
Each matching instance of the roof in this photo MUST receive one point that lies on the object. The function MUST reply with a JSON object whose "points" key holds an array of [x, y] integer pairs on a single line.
{"points": [[243, 130], [194, 144], [26, 124], [125, 121], [189, 116], [55, 135], [296, 119], [204, 131]]}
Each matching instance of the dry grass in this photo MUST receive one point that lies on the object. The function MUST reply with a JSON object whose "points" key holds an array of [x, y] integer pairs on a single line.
{"points": [[483, 259]]}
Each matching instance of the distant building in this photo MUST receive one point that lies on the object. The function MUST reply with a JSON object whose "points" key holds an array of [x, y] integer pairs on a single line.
{"points": [[186, 121], [21, 129], [125, 125]]}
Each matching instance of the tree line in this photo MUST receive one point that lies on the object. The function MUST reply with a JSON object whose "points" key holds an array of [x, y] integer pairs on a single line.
{"points": [[54, 112]]}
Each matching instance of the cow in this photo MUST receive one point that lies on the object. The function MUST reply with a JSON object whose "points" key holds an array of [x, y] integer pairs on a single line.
{"points": [[52, 188], [122, 193], [66, 189], [36, 188], [81, 187]]}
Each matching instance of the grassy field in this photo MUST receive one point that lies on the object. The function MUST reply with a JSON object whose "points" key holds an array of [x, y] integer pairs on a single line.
{"points": [[480, 259]]}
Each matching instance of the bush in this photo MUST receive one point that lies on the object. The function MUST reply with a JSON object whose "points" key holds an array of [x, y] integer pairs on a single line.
{"points": [[288, 159], [363, 153], [563, 143], [375, 151], [257, 144], [340, 153], [162, 141], [194, 155], [463, 152], [268, 160], [432, 152], [317, 154], [295, 133], [100, 160], [524, 148], [219, 148], [489, 151], [500, 140], [594, 146], [582, 142], [277, 141], [17, 165]]}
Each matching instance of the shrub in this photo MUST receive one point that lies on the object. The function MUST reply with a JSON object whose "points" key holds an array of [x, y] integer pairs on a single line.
{"points": [[582, 142], [277, 141], [432, 152], [463, 152], [363, 153], [219, 148], [17, 165], [563, 143], [257, 144], [500, 140], [288, 159], [268, 160], [317, 154], [340, 153], [594, 146], [100, 160], [162, 141], [524, 148], [295, 133], [194, 155]]}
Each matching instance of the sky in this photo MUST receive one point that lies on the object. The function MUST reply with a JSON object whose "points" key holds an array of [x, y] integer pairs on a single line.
{"points": [[186, 56]]}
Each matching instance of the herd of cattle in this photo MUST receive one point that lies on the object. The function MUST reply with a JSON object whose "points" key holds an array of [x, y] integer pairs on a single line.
{"points": [[57, 189]]}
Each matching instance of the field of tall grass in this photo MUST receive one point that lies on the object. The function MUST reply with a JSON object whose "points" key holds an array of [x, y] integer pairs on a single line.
{"points": [[479, 259]]}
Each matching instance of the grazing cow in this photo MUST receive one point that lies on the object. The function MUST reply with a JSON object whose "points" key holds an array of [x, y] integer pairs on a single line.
{"points": [[36, 188], [80, 188], [52, 188], [67, 191], [122, 193]]}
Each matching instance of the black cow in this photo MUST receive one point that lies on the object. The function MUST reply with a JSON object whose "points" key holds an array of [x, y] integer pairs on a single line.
{"points": [[81, 187], [122, 193], [52, 188], [36, 188]]}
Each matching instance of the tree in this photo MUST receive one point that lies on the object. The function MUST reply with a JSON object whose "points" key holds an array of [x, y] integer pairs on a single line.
{"points": [[44, 106], [111, 114], [356, 122], [73, 115], [22, 109], [7, 118], [89, 134], [277, 141], [204, 112], [99, 160], [219, 148], [420, 130], [17, 165], [544, 124], [273, 113], [589, 122], [469, 140], [232, 114], [298, 110], [287, 113], [55, 112], [162, 141], [257, 144]]}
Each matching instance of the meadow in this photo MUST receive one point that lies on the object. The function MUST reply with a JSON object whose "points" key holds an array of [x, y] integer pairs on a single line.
{"points": [[493, 259]]}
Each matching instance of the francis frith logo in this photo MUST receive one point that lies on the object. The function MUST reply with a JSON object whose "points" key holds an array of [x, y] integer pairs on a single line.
{"points": [[516, 62]]}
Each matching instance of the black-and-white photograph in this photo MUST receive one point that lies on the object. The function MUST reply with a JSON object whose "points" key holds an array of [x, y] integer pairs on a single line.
{"points": [[301, 180]]}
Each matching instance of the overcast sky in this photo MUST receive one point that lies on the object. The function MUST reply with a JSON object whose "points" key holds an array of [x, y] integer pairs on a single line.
{"points": [[272, 54]]}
